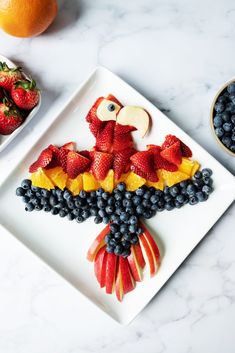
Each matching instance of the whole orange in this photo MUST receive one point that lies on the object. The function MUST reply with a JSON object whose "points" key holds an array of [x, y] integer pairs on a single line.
{"points": [[27, 18]]}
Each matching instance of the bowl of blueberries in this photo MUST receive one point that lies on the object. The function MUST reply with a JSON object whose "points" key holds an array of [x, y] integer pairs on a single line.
{"points": [[223, 117]]}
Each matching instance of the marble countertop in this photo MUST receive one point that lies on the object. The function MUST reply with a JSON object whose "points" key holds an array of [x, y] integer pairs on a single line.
{"points": [[177, 53]]}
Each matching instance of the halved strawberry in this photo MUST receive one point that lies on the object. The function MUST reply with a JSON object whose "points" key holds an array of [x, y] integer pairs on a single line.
{"points": [[85, 153], [55, 162], [143, 161], [121, 162], [63, 153], [122, 141], [104, 138], [171, 139], [148, 176], [159, 161], [123, 129], [69, 146], [76, 164], [101, 163], [43, 160], [173, 153]]}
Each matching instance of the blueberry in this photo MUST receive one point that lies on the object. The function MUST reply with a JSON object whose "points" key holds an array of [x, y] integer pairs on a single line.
{"points": [[101, 203], [218, 121], [115, 219], [133, 220], [169, 206], [231, 88], [29, 193], [225, 117], [99, 192], [154, 199], [113, 242], [136, 200], [54, 211], [208, 181], [168, 198], [44, 201], [154, 207], [53, 200], [127, 203], [206, 172], [207, 189], [47, 208], [198, 183], [29, 207], [130, 210], [146, 203], [79, 219], [200, 196], [83, 194], [124, 217], [66, 194], [232, 148], [121, 187], [174, 190], [133, 228], [45, 193], [70, 216], [102, 213], [193, 200], [35, 188], [128, 195], [114, 228], [227, 127], [119, 210], [139, 230], [233, 136], [109, 249], [140, 209], [140, 191], [126, 244], [97, 220], [77, 212], [105, 195], [109, 209], [226, 140], [126, 252], [118, 249], [127, 236], [118, 196], [166, 190], [26, 184], [71, 205], [222, 99], [180, 198], [123, 228], [86, 214], [134, 240], [118, 235], [183, 184], [198, 175], [35, 201], [20, 191], [219, 107], [62, 213], [233, 119], [111, 201], [107, 238], [25, 199], [147, 195], [191, 189], [219, 131], [93, 194], [161, 203], [111, 107]]}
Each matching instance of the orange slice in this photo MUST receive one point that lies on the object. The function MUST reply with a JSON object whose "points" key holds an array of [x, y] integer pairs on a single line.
{"points": [[57, 176], [75, 185], [188, 166], [171, 178], [41, 180], [133, 181], [158, 184], [89, 182], [108, 183]]}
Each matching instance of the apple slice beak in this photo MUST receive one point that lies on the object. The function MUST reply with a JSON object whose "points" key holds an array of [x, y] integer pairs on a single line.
{"points": [[134, 116]]}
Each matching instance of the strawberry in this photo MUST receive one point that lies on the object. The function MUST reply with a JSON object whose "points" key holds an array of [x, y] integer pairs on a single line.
{"points": [[113, 99], [121, 142], [69, 146], [173, 153], [43, 160], [85, 153], [101, 163], [55, 162], [63, 153], [104, 138], [123, 129], [143, 165], [92, 112], [9, 76], [171, 139], [148, 176], [1, 94], [121, 162], [159, 161], [25, 94], [10, 117], [76, 164]]}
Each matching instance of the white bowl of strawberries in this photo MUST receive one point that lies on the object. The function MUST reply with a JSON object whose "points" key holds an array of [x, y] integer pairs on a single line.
{"points": [[20, 100]]}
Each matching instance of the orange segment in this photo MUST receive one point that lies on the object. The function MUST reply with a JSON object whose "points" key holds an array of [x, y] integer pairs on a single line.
{"points": [[195, 168], [158, 184], [40, 179], [133, 181], [108, 183], [57, 176], [89, 182], [188, 166], [171, 178], [75, 185]]}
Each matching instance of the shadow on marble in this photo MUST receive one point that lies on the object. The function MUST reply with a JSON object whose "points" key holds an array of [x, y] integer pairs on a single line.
{"points": [[68, 14]]}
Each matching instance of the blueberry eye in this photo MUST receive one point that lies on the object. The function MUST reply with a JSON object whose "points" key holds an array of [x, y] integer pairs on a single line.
{"points": [[111, 107]]}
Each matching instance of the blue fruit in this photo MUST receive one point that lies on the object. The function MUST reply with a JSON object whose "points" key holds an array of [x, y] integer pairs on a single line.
{"points": [[123, 228], [54, 211], [99, 192], [26, 184], [227, 127], [219, 131], [140, 209], [225, 117], [128, 195], [29, 207], [121, 187], [106, 195], [201, 196], [193, 200], [191, 189], [118, 249], [226, 140], [169, 206], [218, 121], [233, 119], [232, 148], [133, 220], [219, 107], [180, 198], [140, 191], [97, 220], [20, 191], [206, 172], [231, 88], [124, 217]]}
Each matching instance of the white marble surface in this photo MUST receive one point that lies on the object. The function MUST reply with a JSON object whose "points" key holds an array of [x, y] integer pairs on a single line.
{"points": [[177, 53]]}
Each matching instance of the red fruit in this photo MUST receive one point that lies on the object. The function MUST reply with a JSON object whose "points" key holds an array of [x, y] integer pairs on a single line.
{"points": [[100, 265], [127, 279], [123, 129], [144, 161], [171, 139], [55, 161], [101, 163], [10, 117], [1, 95], [76, 164], [69, 146], [95, 246], [85, 153], [9, 76], [148, 176], [111, 267], [104, 138], [25, 94], [43, 160], [159, 161], [63, 153], [92, 112], [173, 153], [122, 141], [121, 162], [113, 99]]}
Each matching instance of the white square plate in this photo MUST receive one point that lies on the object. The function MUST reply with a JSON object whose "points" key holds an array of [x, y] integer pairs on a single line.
{"points": [[5, 140], [63, 244]]}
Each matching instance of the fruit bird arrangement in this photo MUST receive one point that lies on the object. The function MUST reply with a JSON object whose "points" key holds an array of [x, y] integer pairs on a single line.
{"points": [[18, 96], [119, 186]]}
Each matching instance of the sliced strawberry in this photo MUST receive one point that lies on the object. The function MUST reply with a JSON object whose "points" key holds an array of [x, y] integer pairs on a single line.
{"points": [[55, 162], [122, 142], [104, 138], [171, 139], [92, 112], [43, 160], [123, 129], [159, 161], [148, 176], [76, 164], [121, 162], [69, 146], [173, 153], [85, 153], [143, 161], [63, 153], [101, 163]]}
